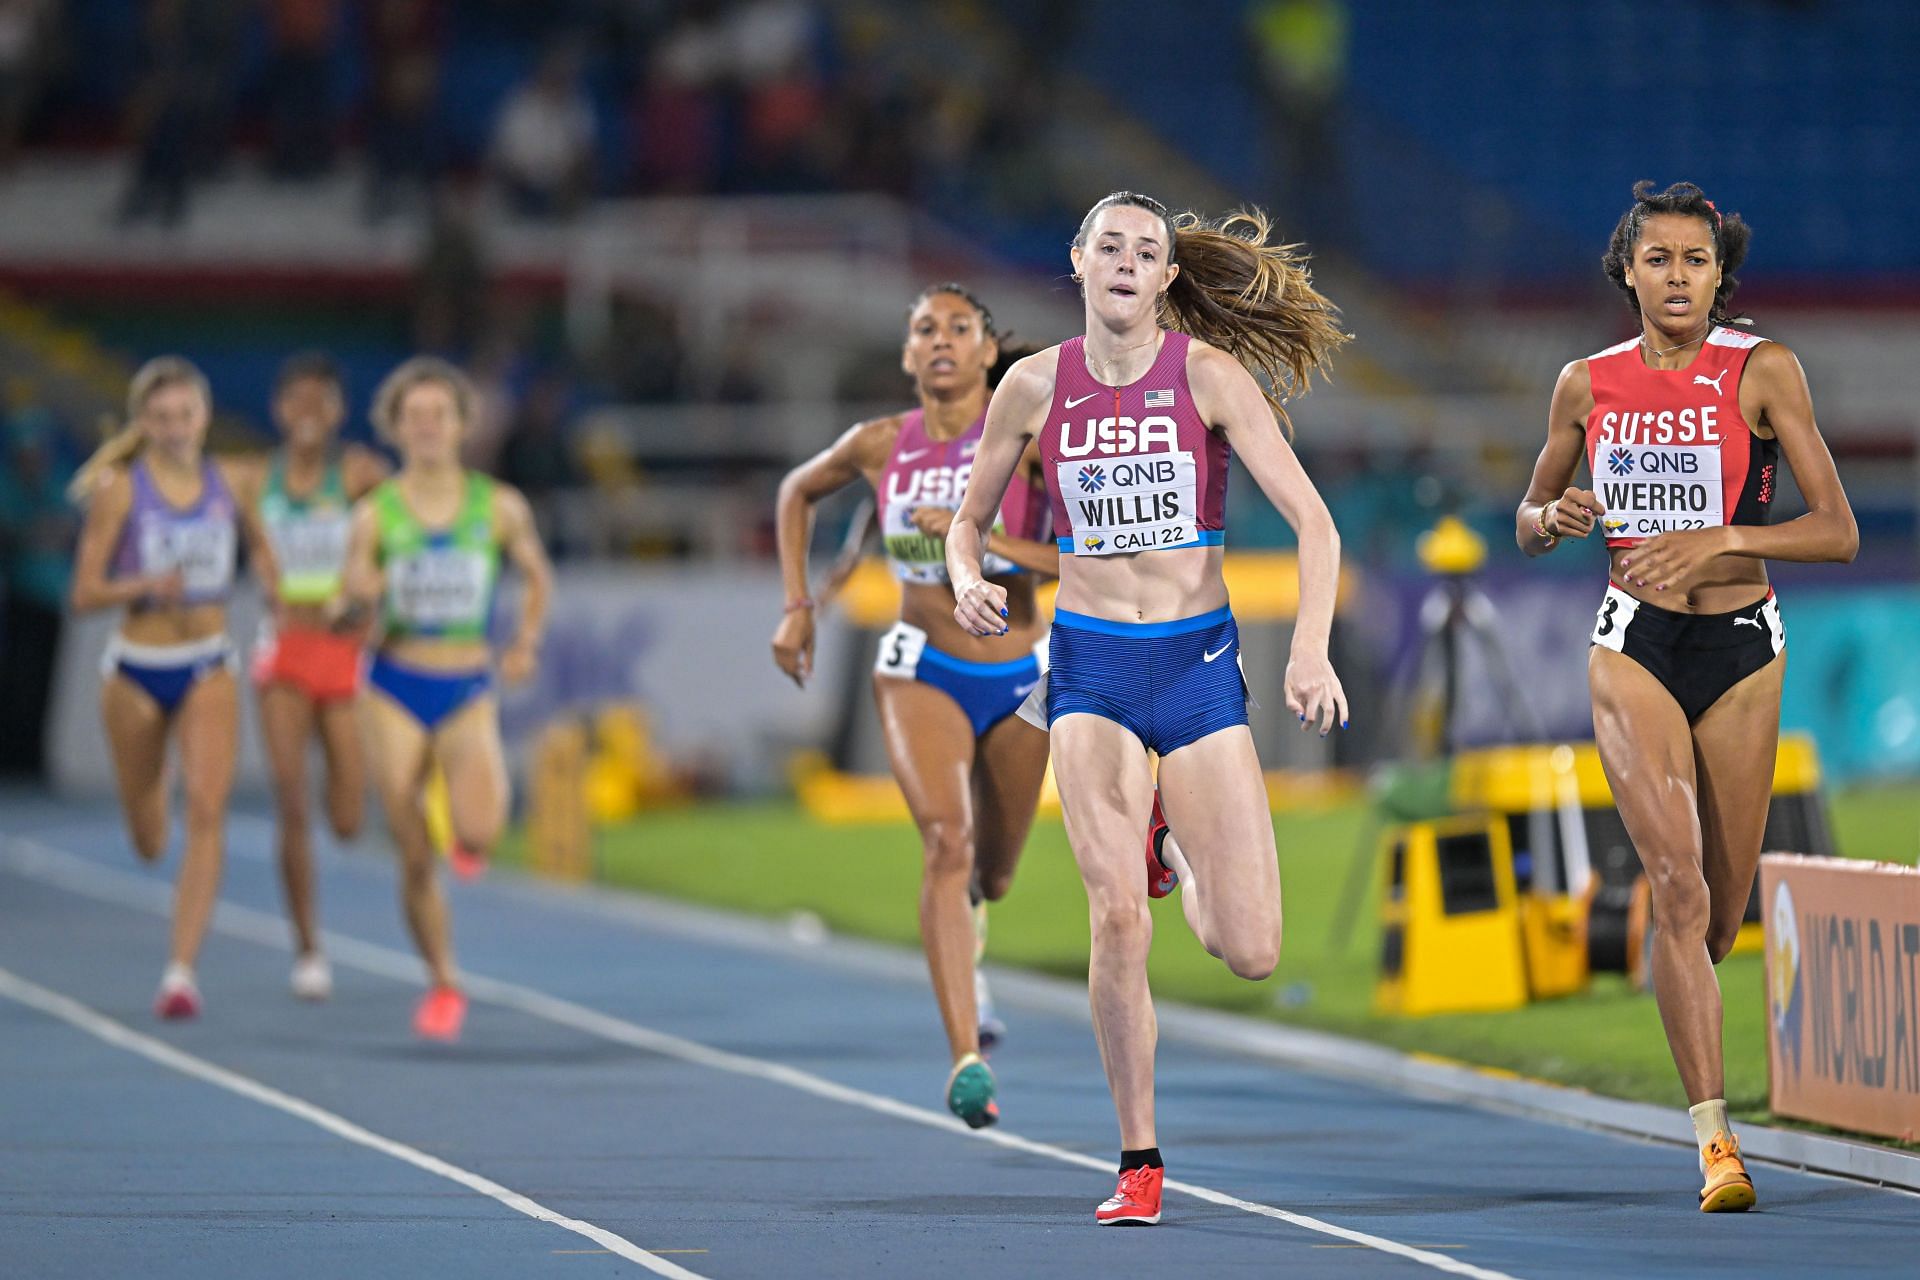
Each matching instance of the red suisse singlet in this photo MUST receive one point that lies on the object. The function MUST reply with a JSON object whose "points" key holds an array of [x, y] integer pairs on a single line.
{"points": [[1669, 449], [1132, 468]]}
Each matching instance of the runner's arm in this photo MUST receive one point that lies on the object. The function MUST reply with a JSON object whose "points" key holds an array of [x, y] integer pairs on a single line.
{"points": [[1013, 418], [1225, 393], [520, 541], [1827, 531], [1553, 471], [860, 450], [246, 480], [93, 588]]}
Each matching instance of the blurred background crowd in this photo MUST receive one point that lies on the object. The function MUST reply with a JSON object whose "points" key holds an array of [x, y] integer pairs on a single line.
{"points": [[674, 241]]}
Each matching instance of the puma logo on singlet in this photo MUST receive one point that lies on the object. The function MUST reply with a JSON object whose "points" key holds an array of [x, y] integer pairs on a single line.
{"points": [[1753, 622], [1702, 380]]}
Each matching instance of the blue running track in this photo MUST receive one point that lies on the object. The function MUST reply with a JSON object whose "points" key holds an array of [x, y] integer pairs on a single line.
{"points": [[642, 1090]]}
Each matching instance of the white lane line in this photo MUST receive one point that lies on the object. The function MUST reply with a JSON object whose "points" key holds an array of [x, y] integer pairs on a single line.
{"points": [[85, 877], [120, 1036]]}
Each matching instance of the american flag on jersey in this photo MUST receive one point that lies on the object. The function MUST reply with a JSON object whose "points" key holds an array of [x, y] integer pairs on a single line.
{"points": [[1159, 399]]}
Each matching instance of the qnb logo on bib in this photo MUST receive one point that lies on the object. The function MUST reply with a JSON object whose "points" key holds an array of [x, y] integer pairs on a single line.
{"points": [[1137, 503], [1118, 435], [1656, 488], [439, 588]]}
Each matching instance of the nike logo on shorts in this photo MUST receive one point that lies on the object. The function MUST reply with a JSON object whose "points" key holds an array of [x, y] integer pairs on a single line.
{"points": [[1022, 690], [1082, 399], [1217, 652]]}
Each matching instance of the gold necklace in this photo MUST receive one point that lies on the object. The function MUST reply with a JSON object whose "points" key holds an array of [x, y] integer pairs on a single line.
{"points": [[1667, 351], [1107, 363]]}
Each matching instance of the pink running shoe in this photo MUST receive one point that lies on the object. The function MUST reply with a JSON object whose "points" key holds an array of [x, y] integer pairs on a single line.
{"points": [[466, 864], [442, 1012], [1135, 1202]]}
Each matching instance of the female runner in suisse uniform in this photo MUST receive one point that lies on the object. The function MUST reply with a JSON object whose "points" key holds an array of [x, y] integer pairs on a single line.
{"points": [[1682, 428]]}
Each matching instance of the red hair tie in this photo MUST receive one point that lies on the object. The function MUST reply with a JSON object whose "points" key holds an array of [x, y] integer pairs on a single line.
{"points": [[1717, 219]]}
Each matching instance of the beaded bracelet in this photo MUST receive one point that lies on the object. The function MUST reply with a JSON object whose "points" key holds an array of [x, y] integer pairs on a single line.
{"points": [[1540, 525]]}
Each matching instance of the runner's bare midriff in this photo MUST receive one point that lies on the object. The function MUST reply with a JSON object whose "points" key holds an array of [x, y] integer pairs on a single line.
{"points": [[1144, 586], [173, 624], [1730, 582], [929, 606]]}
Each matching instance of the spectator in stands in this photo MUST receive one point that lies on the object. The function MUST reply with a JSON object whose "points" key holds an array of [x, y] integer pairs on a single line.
{"points": [[38, 530], [679, 116], [406, 144], [1300, 49], [181, 116], [24, 28], [538, 458], [782, 105], [543, 142], [299, 86], [450, 291], [164, 115]]}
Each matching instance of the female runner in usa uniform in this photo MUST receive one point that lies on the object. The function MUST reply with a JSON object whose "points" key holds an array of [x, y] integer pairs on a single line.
{"points": [[1682, 429], [1134, 424], [162, 530], [971, 771]]}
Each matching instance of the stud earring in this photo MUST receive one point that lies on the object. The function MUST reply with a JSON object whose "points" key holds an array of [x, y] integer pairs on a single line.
{"points": [[1078, 278]]}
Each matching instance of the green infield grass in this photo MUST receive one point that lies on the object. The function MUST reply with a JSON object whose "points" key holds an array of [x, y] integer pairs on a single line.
{"points": [[771, 859]]}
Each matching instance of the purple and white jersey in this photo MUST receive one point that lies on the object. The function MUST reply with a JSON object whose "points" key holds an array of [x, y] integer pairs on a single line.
{"points": [[200, 541]]}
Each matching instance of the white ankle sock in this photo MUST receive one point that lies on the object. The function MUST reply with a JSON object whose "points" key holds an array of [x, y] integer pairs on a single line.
{"points": [[177, 974], [1709, 1118]]}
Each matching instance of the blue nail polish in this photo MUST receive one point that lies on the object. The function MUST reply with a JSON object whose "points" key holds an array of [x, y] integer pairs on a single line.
{"points": [[1343, 724], [1003, 613]]}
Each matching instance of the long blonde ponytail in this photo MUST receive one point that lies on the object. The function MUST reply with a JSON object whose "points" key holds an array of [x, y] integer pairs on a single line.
{"points": [[123, 444]]}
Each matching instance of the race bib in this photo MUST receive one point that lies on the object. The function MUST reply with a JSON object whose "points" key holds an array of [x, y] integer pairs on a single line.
{"points": [[202, 550], [1649, 489], [1145, 502], [920, 557], [439, 587], [311, 546], [899, 653]]}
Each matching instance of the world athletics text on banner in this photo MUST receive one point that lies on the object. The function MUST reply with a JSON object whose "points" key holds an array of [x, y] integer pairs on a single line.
{"points": [[1843, 992]]}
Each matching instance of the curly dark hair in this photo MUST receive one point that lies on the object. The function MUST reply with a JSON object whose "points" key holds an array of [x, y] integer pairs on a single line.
{"points": [[317, 365], [1012, 349], [1730, 233]]}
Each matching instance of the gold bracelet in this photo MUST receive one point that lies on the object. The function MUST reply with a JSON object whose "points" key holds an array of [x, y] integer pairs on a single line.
{"points": [[1540, 525]]}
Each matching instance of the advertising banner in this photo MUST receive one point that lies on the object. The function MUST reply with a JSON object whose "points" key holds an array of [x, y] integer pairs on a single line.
{"points": [[1843, 992]]}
